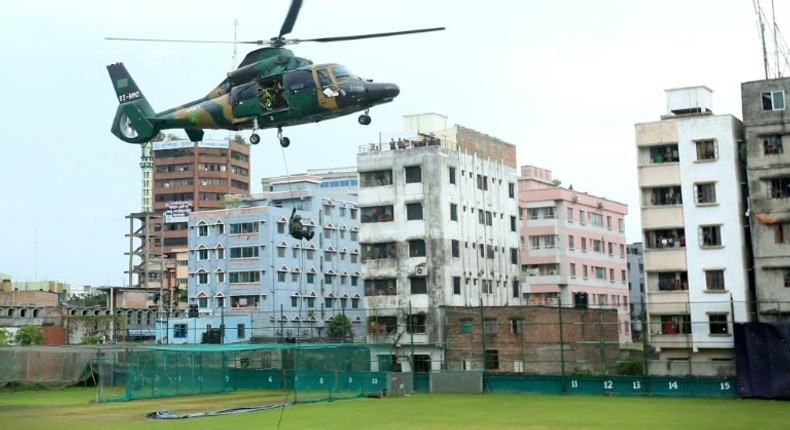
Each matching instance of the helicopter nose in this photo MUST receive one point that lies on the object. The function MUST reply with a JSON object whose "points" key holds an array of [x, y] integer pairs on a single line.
{"points": [[381, 92]]}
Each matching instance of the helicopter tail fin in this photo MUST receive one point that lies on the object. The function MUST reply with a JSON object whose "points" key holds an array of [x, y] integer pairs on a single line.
{"points": [[132, 121]]}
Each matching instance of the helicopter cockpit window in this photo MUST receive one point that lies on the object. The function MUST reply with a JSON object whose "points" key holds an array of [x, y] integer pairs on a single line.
{"points": [[342, 72], [298, 80], [323, 77]]}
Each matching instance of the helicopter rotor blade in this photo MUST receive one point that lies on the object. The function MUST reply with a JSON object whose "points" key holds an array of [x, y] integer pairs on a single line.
{"points": [[290, 18], [132, 39], [363, 36]]}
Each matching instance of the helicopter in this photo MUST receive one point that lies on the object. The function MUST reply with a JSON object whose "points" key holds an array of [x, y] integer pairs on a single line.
{"points": [[270, 88]]}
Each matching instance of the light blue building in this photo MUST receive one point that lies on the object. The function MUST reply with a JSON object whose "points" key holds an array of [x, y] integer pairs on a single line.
{"points": [[242, 260]]}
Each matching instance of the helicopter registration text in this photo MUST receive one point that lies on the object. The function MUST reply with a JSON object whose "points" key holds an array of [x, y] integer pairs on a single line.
{"points": [[128, 96]]}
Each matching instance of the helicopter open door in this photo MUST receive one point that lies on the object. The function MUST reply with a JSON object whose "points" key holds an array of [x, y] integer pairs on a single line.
{"points": [[245, 100]]}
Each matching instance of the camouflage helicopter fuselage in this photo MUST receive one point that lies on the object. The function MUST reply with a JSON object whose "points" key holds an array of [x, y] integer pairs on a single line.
{"points": [[271, 88]]}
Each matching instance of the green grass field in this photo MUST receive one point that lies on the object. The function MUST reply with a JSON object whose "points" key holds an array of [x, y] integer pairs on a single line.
{"points": [[75, 408]]}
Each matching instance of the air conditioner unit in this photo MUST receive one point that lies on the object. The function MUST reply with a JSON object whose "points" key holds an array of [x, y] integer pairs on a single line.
{"points": [[552, 272], [204, 183], [421, 271], [306, 331]]}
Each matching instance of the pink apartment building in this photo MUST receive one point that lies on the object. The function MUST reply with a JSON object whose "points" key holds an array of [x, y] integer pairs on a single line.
{"points": [[573, 247]]}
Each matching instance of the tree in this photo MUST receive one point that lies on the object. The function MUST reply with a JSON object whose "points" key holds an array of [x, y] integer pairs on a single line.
{"points": [[4, 337], [92, 300], [340, 327], [29, 335]]}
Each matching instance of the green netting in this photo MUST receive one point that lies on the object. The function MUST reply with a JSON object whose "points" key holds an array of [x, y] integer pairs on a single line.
{"points": [[308, 372], [43, 366]]}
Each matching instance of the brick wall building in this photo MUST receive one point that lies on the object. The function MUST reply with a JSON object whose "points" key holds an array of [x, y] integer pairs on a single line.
{"points": [[528, 339]]}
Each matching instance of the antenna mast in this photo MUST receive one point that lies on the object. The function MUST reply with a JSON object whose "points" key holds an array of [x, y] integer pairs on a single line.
{"points": [[781, 55]]}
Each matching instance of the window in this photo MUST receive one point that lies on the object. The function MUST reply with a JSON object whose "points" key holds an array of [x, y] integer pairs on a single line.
{"points": [[379, 251], [664, 154], [511, 190], [220, 277], [413, 211], [718, 324], [772, 144], [706, 150], [782, 233], [573, 270], [202, 230], [415, 323], [280, 276], [773, 100], [244, 227], [419, 285], [380, 287], [570, 214], [492, 359], [596, 219], [451, 173], [281, 227], [512, 223], [779, 188], [710, 235], [244, 252], [581, 216], [240, 331], [714, 280], [516, 326], [456, 285], [376, 214], [180, 331], [672, 281], [310, 278], [489, 326], [202, 278], [202, 254], [375, 178], [597, 246], [675, 324], [585, 271], [705, 193], [609, 222], [662, 196], [220, 253], [466, 326], [453, 212], [417, 248], [513, 255], [482, 182], [455, 247], [413, 174], [584, 244], [244, 277]]}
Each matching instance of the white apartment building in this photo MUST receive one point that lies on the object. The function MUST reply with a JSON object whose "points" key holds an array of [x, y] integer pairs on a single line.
{"points": [[695, 247], [573, 247], [439, 227]]}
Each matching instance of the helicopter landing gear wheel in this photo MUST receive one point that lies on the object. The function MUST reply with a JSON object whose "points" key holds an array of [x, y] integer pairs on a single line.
{"points": [[255, 139], [284, 141], [364, 119]]}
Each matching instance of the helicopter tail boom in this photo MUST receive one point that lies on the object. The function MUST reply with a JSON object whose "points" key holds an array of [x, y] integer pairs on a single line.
{"points": [[132, 121]]}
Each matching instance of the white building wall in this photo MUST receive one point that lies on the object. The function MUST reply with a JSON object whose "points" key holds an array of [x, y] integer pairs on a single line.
{"points": [[727, 212]]}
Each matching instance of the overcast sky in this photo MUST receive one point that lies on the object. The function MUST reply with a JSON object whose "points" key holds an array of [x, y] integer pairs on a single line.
{"points": [[565, 81]]}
